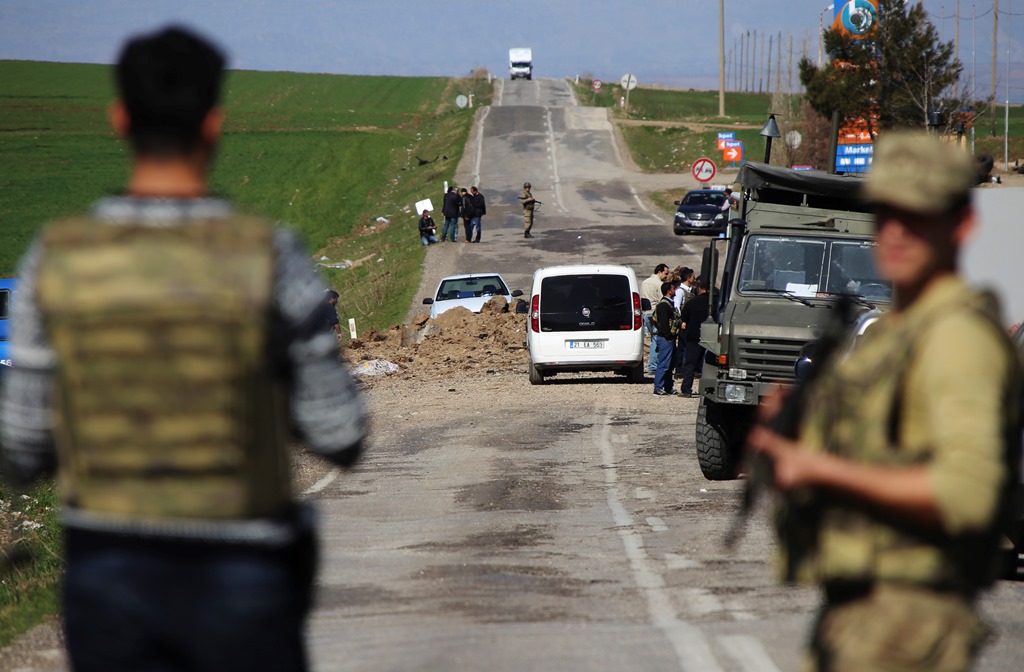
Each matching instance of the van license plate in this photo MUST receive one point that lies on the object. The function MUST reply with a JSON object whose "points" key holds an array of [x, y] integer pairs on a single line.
{"points": [[586, 345]]}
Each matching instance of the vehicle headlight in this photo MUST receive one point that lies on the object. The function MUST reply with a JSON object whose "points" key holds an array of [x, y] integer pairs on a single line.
{"points": [[738, 374], [737, 394], [719, 216]]}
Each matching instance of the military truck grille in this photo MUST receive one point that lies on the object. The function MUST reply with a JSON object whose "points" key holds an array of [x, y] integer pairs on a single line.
{"points": [[771, 359]]}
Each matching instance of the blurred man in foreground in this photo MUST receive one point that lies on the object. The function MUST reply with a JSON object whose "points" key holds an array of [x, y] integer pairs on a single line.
{"points": [[166, 344], [909, 449]]}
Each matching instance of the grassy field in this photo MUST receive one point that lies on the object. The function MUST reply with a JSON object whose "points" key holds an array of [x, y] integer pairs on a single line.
{"points": [[324, 154]]}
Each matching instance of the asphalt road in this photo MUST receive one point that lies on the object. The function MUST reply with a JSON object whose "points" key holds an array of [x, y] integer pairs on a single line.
{"points": [[501, 526]]}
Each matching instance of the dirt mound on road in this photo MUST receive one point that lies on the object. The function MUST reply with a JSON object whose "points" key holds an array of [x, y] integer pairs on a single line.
{"points": [[457, 341]]}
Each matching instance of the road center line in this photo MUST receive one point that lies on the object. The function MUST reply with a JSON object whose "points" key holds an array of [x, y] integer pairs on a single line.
{"points": [[692, 648], [324, 481]]}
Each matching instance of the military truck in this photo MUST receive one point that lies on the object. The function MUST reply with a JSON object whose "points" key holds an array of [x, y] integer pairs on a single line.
{"points": [[803, 239]]}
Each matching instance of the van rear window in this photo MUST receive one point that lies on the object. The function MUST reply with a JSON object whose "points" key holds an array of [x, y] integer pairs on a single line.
{"points": [[5, 304], [586, 303]]}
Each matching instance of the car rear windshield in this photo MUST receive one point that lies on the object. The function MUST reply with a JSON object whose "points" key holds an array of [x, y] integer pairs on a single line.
{"points": [[697, 199], [465, 288], [5, 304], [595, 302]]}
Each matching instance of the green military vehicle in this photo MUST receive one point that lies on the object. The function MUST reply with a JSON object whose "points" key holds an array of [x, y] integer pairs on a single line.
{"points": [[803, 240]]}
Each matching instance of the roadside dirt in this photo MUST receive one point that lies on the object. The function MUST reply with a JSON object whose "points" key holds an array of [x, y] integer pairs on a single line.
{"points": [[458, 342]]}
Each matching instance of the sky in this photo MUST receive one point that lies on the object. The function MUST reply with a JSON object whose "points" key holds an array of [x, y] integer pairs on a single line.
{"points": [[667, 42]]}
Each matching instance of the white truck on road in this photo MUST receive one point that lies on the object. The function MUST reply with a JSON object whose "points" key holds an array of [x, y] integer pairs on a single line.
{"points": [[520, 63]]}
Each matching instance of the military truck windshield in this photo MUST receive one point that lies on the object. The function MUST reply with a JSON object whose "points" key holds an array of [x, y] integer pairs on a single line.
{"points": [[811, 267]]}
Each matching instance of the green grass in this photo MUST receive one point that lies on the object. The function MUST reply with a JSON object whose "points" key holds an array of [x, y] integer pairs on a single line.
{"points": [[324, 154], [689, 124], [29, 586]]}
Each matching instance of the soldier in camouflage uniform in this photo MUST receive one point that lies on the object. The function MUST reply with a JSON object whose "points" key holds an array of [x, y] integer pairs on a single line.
{"points": [[166, 346], [529, 203], [902, 475]]}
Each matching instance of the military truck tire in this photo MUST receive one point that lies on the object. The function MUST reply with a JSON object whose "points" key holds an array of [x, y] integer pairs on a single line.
{"points": [[636, 374], [717, 459], [536, 377]]}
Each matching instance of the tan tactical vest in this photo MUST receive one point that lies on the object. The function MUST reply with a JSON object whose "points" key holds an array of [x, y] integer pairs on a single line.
{"points": [[165, 405], [856, 412]]}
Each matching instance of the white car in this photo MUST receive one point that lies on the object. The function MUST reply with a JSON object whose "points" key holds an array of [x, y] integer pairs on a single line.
{"points": [[585, 318], [470, 291]]}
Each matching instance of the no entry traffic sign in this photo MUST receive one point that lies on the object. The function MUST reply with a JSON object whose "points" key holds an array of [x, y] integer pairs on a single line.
{"points": [[703, 170], [597, 85]]}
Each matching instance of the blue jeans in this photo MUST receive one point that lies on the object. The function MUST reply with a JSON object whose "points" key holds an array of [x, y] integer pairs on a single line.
{"points": [[474, 225], [663, 374], [450, 224], [652, 358], [155, 605], [428, 240]]}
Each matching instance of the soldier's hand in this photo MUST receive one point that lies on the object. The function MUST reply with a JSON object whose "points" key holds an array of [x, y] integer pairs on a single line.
{"points": [[771, 404], [792, 466]]}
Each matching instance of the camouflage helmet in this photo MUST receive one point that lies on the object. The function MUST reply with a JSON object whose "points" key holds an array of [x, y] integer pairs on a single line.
{"points": [[914, 171]]}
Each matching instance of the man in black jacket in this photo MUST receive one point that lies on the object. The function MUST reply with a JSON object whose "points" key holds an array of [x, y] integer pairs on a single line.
{"points": [[466, 212], [450, 212], [479, 210], [693, 314]]}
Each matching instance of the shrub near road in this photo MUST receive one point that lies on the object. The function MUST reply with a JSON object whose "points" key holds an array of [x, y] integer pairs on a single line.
{"points": [[326, 154]]}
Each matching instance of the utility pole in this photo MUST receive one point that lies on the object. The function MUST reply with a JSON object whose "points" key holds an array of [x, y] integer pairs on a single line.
{"points": [[956, 43], [760, 81], [742, 72], [1006, 123], [768, 79], [789, 83], [778, 63], [721, 58], [995, 36]]}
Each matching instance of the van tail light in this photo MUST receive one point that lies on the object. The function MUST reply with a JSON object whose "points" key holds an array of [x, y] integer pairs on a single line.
{"points": [[535, 314], [723, 360], [637, 313]]}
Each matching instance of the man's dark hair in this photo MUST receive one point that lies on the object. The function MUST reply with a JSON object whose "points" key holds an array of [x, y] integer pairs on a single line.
{"points": [[665, 286], [168, 81], [686, 273], [331, 294], [660, 267], [702, 282]]}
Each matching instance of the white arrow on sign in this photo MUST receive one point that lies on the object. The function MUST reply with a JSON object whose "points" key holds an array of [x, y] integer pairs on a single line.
{"points": [[732, 154], [628, 82], [703, 170]]}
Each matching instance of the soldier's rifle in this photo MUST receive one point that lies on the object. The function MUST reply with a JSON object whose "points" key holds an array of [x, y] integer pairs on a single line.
{"points": [[786, 423]]}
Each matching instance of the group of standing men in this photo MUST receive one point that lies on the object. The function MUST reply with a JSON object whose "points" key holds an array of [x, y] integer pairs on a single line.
{"points": [[679, 304], [469, 206]]}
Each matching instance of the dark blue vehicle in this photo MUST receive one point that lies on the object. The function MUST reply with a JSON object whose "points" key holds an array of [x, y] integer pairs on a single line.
{"points": [[700, 212], [6, 296]]}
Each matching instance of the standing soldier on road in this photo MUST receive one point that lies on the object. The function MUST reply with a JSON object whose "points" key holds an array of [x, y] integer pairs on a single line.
{"points": [[529, 204], [908, 454], [466, 211], [166, 345]]}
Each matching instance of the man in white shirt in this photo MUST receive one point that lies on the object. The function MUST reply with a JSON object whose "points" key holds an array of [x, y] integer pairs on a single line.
{"points": [[650, 289]]}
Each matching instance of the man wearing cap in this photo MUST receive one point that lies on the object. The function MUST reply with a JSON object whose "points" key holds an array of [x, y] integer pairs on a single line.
{"points": [[902, 473], [529, 203]]}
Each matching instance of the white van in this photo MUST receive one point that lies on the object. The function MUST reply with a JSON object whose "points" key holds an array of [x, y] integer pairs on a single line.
{"points": [[585, 318]]}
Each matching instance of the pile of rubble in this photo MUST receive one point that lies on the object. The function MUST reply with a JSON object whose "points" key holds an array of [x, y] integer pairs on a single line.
{"points": [[457, 341]]}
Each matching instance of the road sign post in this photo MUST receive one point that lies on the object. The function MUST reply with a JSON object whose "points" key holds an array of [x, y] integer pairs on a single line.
{"points": [[703, 170], [628, 82]]}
